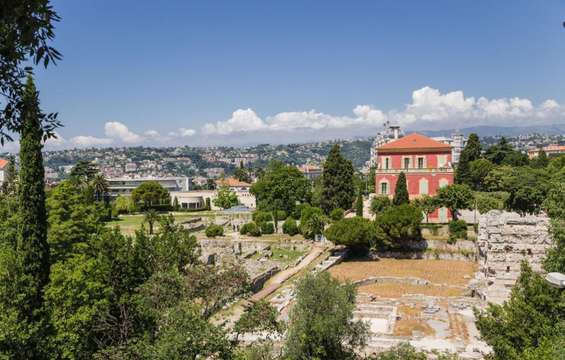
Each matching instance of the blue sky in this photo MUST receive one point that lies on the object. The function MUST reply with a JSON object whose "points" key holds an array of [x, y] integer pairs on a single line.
{"points": [[209, 72]]}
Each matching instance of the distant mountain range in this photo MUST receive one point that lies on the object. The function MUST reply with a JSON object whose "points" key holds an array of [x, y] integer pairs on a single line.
{"points": [[552, 129]]}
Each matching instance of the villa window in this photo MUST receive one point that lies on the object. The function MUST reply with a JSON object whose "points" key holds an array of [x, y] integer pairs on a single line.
{"points": [[423, 186], [384, 188], [387, 163], [441, 161], [406, 163], [420, 163]]}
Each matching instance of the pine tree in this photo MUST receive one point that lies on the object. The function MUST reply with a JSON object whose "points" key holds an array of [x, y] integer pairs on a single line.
{"points": [[401, 191], [359, 204], [471, 152], [337, 181]]}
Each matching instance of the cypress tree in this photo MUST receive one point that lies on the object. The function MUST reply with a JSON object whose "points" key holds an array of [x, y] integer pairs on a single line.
{"points": [[401, 191], [32, 246], [471, 152], [359, 204], [337, 182]]}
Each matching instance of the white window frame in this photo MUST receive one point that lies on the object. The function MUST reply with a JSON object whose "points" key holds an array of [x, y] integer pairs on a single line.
{"points": [[441, 161], [421, 182]]}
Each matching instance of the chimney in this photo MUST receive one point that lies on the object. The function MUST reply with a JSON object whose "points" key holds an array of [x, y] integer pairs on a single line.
{"points": [[395, 131]]}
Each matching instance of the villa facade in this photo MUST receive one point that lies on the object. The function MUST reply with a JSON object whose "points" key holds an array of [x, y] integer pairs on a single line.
{"points": [[427, 164]]}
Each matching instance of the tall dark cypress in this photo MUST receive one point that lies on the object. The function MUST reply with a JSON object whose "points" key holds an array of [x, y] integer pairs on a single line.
{"points": [[32, 246], [471, 152], [337, 181], [359, 203], [401, 191]]}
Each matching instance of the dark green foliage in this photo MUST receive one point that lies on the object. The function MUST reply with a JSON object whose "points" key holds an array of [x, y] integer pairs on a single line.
{"points": [[337, 214], [267, 228], [242, 174], [540, 161], [84, 172], [455, 197], [486, 201], [281, 187], [150, 218], [26, 32], [9, 185], [337, 182], [359, 204], [312, 222], [151, 195], [281, 215], [371, 181], [321, 322], [250, 229], [260, 217], [533, 316], [504, 154], [32, 248], [289, 227], [208, 204], [403, 351], [261, 316], [528, 188], [399, 224], [380, 203], [214, 230], [176, 205], [401, 191], [479, 170], [471, 152], [457, 230], [356, 232]]}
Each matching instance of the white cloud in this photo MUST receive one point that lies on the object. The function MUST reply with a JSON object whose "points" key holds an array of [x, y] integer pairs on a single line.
{"points": [[429, 108], [89, 141], [119, 131], [186, 132], [57, 141]]}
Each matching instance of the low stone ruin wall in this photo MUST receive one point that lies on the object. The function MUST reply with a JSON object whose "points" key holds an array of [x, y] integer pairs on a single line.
{"points": [[505, 240]]}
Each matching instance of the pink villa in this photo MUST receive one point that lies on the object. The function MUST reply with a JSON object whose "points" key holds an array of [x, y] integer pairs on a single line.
{"points": [[425, 162]]}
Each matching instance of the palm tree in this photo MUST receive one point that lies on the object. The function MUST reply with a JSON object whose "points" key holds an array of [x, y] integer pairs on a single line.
{"points": [[100, 186], [151, 217]]}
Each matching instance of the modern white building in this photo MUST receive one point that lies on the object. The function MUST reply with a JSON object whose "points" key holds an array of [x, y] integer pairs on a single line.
{"points": [[124, 186]]}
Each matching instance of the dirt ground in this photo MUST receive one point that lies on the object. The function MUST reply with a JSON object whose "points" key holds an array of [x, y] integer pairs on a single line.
{"points": [[438, 272], [398, 290]]}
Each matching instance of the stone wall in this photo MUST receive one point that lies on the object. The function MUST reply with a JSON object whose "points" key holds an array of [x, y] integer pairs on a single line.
{"points": [[504, 240]]}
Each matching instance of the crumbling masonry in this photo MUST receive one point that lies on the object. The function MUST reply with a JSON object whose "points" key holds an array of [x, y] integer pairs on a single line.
{"points": [[505, 239]]}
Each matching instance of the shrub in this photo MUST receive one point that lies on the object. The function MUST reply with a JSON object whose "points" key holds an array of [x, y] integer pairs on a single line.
{"points": [[337, 214], [380, 203], [250, 229], [312, 222], [457, 230], [260, 217], [289, 227], [399, 224], [281, 215], [357, 233], [214, 230], [267, 228]]}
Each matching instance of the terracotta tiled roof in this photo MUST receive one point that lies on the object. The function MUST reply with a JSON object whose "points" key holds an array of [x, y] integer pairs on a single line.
{"points": [[232, 182], [3, 163], [414, 141]]}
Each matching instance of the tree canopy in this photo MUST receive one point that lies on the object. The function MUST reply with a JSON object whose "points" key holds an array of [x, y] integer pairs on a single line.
{"points": [[401, 190], [151, 195], [338, 189]]}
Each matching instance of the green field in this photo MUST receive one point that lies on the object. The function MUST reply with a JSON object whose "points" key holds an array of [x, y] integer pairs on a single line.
{"points": [[130, 223]]}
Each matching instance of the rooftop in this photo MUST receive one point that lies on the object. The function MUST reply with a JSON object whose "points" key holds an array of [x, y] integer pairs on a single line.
{"points": [[415, 141], [232, 182]]}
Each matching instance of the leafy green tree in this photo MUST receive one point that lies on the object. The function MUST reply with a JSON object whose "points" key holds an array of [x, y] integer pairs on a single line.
{"points": [[151, 195], [226, 198], [380, 203], [541, 161], [359, 204], [176, 205], [478, 171], [261, 316], [151, 217], [504, 154], [281, 187], [242, 174], [321, 322], [427, 204], [214, 230], [312, 222], [471, 152], [84, 172], [455, 197], [289, 227], [26, 32], [401, 191], [337, 182], [398, 224], [487, 201], [371, 180], [528, 188], [73, 219], [357, 233], [403, 351], [124, 205]]}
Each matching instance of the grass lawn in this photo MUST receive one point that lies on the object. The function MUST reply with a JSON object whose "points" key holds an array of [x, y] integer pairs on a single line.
{"points": [[130, 223], [286, 255]]}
